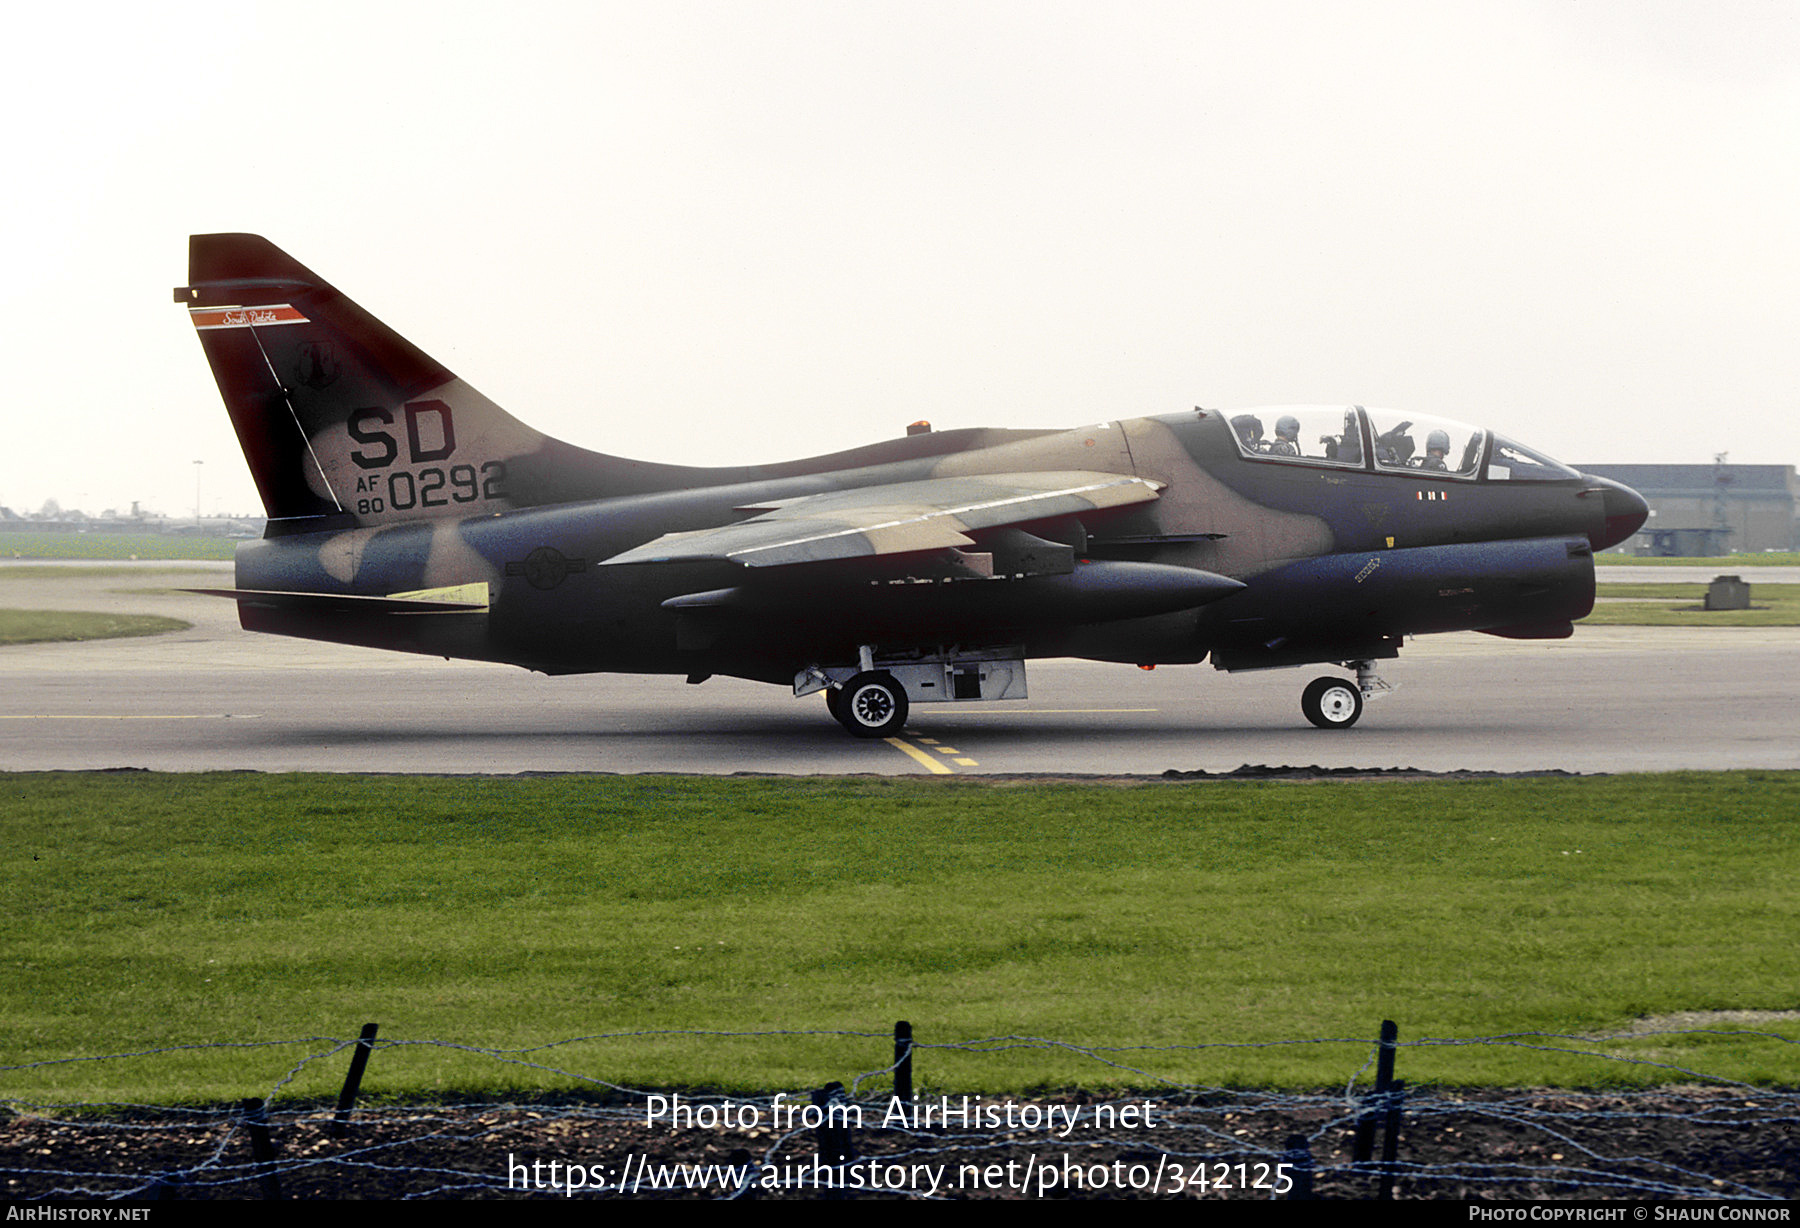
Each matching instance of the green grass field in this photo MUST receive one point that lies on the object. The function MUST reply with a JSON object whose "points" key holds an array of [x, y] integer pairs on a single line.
{"points": [[82, 571], [150, 910], [43, 626], [1683, 605], [1726, 563], [113, 546]]}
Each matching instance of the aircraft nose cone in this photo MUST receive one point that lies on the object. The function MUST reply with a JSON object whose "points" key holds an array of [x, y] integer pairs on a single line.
{"points": [[1623, 511]]}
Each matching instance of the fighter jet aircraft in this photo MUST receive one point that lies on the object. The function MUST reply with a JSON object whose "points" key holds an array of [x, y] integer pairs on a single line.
{"points": [[407, 511]]}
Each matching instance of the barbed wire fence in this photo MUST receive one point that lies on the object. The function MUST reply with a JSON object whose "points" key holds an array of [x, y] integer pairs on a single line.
{"points": [[1694, 1135]]}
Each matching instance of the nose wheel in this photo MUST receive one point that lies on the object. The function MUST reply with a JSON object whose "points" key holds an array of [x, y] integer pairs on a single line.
{"points": [[1332, 703]]}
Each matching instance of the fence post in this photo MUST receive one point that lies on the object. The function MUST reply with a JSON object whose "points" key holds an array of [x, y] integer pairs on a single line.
{"points": [[1384, 1077], [262, 1147], [1298, 1152], [903, 1089], [832, 1139], [1390, 1140], [359, 1059]]}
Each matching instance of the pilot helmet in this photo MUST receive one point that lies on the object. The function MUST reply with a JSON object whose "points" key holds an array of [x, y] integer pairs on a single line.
{"points": [[1287, 427], [1437, 441]]}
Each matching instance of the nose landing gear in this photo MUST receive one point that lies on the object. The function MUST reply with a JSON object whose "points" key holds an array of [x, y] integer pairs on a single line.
{"points": [[1336, 703], [1331, 703]]}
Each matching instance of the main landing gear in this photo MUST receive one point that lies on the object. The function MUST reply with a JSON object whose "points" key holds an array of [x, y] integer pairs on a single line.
{"points": [[871, 698], [1336, 703], [870, 705]]}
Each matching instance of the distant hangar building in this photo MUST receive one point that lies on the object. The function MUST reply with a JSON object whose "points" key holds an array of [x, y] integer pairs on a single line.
{"points": [[1712, 510]]}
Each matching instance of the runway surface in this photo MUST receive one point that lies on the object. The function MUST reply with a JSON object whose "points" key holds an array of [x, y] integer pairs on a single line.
{"points": [[218, 698]]}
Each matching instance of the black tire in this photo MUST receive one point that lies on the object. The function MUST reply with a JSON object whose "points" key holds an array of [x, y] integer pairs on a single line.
{"points": [[871, 705], [1331, 703], [834, 702]]}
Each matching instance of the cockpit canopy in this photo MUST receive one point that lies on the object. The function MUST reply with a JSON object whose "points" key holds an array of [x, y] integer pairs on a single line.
{"points": [[1389, 442]]}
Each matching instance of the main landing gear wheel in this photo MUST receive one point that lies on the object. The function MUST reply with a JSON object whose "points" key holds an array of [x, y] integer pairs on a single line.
{"points": [[870, 705], [1331, 703]]}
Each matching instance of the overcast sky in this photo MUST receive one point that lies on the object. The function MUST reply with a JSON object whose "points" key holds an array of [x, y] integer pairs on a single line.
{"points": [[719, 233]]}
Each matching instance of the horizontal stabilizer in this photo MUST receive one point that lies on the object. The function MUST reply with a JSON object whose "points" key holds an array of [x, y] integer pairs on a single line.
{"points": [[347, 603]]}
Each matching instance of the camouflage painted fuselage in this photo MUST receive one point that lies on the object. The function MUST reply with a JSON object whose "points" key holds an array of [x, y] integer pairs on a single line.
{"points": [[409, 512]]}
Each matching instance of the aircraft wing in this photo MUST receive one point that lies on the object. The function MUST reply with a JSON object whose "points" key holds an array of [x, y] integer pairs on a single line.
{"points": [[901, 518]]}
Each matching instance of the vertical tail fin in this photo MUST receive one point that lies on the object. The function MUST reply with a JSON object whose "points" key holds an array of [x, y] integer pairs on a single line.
{"points": [[346, 424], [343, 421]]}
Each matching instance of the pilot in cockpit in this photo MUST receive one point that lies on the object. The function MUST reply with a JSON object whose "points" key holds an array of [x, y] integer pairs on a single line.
{"points": [[1348, 446]]}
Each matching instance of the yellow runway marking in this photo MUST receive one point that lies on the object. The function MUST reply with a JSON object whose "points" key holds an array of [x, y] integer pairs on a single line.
{"points": [[914, 752], [968, 763]]}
